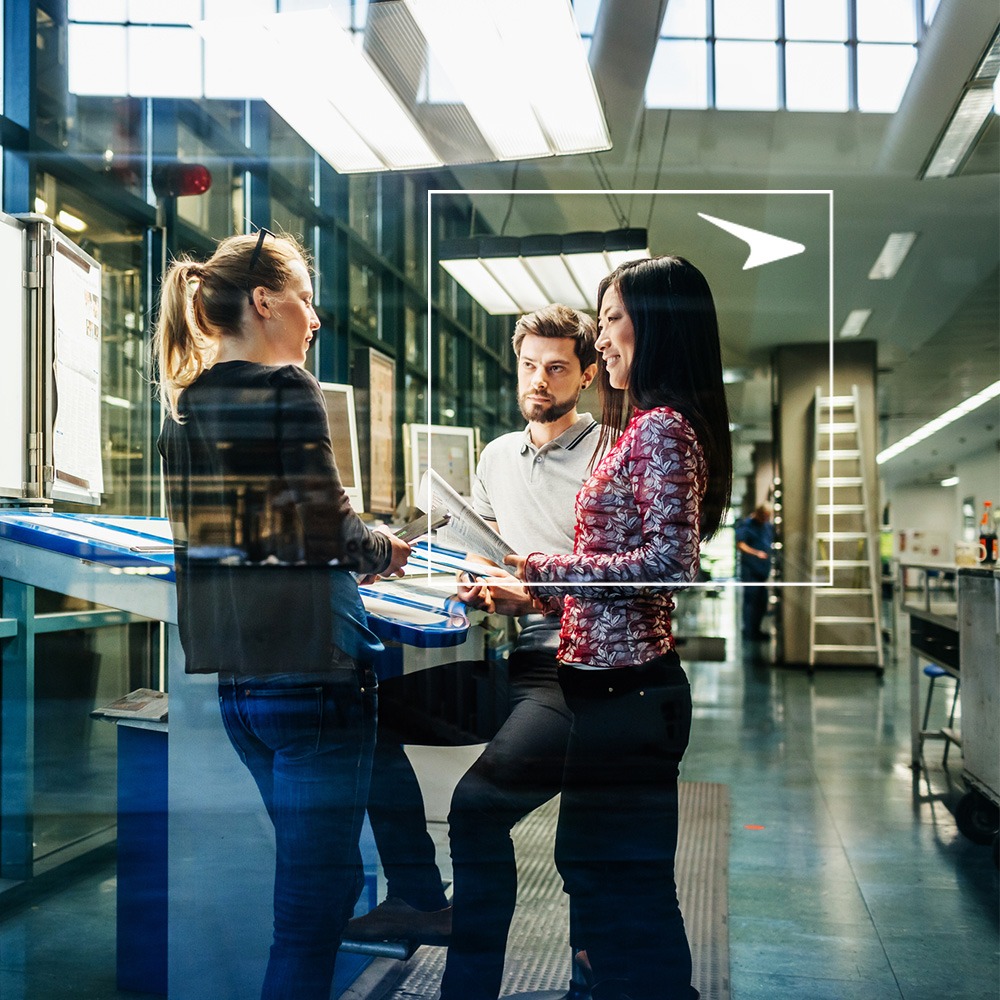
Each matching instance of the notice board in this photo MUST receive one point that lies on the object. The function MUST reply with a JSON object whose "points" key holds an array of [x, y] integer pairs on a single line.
{"points": [[50, 379]]}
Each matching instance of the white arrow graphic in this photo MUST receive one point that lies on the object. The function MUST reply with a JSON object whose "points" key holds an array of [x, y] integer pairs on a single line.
{"points": [[764, 248]]}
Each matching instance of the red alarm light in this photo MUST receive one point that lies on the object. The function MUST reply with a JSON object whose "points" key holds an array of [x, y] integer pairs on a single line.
{"points": [[175, 180]]}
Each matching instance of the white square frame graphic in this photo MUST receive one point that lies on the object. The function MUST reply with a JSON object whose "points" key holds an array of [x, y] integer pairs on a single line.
{"points": [[650, 192]]}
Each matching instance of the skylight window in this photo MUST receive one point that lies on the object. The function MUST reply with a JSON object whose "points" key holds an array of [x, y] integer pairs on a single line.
{"points": [[796, 55], [678, 77], [746, 76]]}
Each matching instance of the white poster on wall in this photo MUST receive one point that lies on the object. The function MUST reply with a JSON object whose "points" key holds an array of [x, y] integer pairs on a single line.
{"points": [[12, 350], [76, 441]]}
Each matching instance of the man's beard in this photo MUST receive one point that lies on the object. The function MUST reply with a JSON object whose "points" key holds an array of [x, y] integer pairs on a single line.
{"points": [[545, 413]]}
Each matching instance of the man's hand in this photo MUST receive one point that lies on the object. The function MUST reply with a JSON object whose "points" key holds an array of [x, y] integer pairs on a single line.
{"points": [[500, 594], [399, 553]]}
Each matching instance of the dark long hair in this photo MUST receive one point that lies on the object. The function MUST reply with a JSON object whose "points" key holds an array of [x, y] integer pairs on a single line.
{"points": [[677, 363]]}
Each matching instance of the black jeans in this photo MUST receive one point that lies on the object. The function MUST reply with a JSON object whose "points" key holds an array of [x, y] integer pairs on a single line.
{"points": [[520, 770], [617, 833]]}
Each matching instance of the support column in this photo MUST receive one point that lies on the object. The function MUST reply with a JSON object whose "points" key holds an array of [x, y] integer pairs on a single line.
{"points": [[798, 370]]}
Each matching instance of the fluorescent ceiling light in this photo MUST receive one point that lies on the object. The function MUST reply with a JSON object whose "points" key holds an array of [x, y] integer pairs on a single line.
{"points": [[520, 81], [888, 262], [970, 118], [485, 50], [482, 286], [855, 322], [950, 481], [71, 222], [961, 134], [507, 275], [933, 426]]}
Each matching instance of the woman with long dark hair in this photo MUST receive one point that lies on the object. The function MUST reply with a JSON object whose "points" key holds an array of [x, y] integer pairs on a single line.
{"points": [[659, 492], [264, 542]]}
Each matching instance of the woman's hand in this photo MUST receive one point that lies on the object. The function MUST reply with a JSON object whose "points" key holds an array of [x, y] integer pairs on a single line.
{"points": [[517, 562], [500, 594], [475, 594]]}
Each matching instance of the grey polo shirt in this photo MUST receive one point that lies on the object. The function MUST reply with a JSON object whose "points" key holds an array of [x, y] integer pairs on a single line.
{"points": [[531, 493]]}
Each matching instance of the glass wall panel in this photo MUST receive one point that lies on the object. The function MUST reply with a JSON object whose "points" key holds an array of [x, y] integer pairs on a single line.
{"points": [[746, 19], [131, 476], [678, 76], [363, 213], [363, 295], [75, 795], [746, 76], [292, 157], [415, 336], [415, 389], [106, 133], [810, 21], [287, 220], [887, 21], [883, 73], [219, 211], [686, 18], [816, 77]]}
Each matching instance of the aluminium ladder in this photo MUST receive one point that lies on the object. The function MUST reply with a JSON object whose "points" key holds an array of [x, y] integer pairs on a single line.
{"points": [[844, 613]]}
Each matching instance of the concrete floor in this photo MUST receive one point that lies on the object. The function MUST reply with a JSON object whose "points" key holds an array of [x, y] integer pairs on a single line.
{"points": [[848, 879]]}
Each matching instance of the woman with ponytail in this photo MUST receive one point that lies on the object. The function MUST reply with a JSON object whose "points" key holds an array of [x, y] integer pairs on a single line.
{"points": [[265, 541], [659, 491]]}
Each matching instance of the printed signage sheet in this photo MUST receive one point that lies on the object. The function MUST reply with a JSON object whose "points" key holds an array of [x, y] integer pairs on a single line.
{"points": [[76, 445]]}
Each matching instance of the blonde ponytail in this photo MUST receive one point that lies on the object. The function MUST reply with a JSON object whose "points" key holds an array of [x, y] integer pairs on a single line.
{"points": [[182, 349]]}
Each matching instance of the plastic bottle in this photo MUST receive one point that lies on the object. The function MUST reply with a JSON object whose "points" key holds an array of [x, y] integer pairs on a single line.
{"points": [[987, 536]]}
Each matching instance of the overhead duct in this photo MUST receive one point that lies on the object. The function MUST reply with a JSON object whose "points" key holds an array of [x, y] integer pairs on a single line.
{"points": [[949, 54], [621, 55]]}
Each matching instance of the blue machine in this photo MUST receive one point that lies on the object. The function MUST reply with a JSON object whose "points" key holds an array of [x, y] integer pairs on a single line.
{"points": [[216, 843]]}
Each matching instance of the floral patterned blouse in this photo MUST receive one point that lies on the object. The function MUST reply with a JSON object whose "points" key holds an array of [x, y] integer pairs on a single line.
{"points": [[637, 521]]}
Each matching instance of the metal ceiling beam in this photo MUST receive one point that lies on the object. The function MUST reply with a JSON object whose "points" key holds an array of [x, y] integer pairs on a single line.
{"points": [[949, 54], [621, 55]]}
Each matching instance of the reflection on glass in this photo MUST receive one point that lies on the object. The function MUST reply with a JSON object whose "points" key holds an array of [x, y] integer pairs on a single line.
{"points": [[678, 77], [416, 338], [746, 76], [217, 211], [363, 296], [811, 21], [585, 12], [746, 19], [105, 133], [883, 73], [284, 220], [99, 10], [815, 77], [887, 21], [363, 213], [416, 399], [75, 792], [149, 49], [686, 18], [119, 246], [292, 157]]}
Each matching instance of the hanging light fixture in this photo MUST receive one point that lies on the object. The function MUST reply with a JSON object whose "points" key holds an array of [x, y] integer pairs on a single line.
{"points": [[507, 275], [425, 83]]}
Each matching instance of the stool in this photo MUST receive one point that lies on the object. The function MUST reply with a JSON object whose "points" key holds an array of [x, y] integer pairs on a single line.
{"points": [[933, 671]]}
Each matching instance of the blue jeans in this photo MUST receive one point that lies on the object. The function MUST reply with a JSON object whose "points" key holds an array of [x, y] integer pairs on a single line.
{"points": [[308, 740], [617, 833]]}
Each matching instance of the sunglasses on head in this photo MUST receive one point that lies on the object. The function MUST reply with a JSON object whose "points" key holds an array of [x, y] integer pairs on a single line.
{"points": [[255, 256]]}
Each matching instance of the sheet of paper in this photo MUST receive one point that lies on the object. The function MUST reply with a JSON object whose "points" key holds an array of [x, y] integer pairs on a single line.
{"points": [[76, 444]]}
